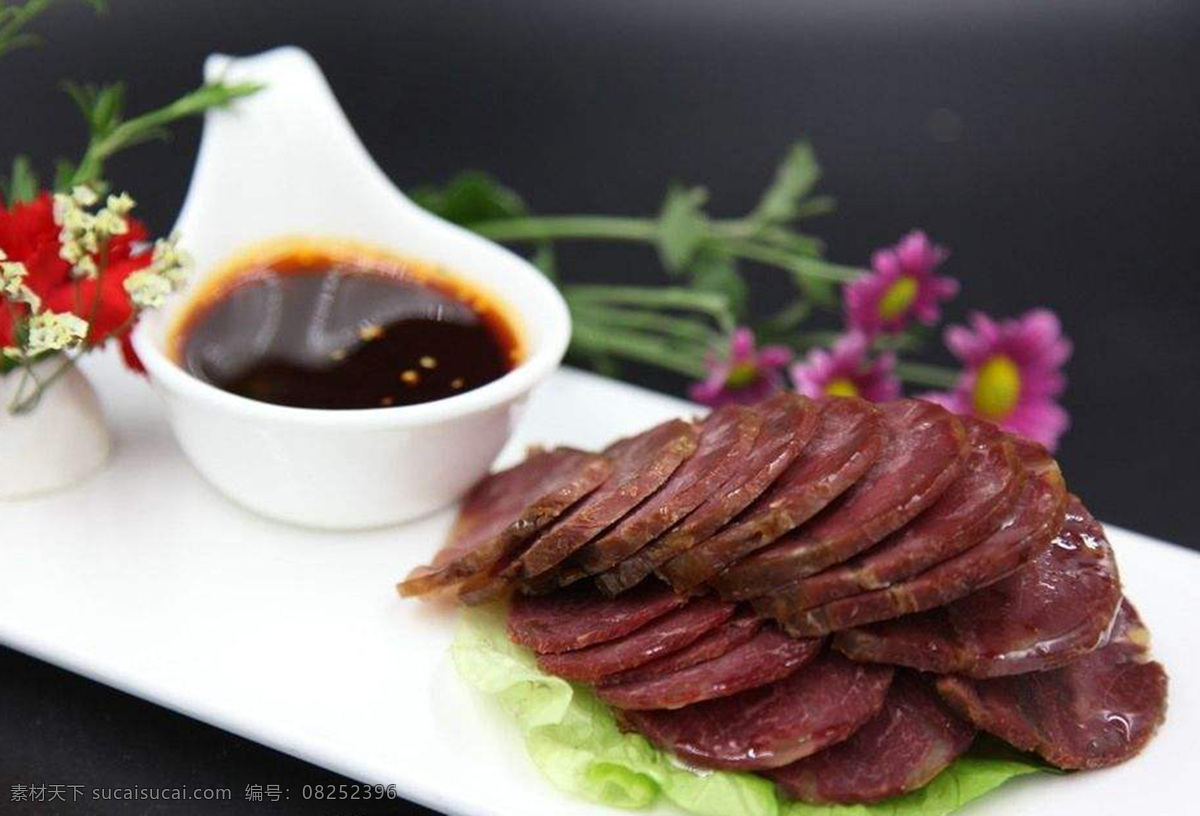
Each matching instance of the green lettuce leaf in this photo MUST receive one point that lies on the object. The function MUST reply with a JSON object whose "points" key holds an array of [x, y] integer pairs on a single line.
{"points": [[574, 739]]}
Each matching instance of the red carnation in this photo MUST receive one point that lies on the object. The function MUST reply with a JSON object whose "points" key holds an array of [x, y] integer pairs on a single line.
{"points": [[28, 234]]}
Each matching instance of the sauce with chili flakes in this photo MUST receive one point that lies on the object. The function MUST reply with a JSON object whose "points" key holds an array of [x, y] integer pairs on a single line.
{"points": [[342, 327]]}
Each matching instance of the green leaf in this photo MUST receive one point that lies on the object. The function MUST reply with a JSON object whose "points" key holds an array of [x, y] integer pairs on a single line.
{"points": [[794, 179], [820, 291], [469, 197], [817, 205], [792, 241], [818, 279], [716, 271], [151, 125], [573, 738], [682, 227], [108, 108], [23, 183], [16, 41], [84, 97], [64, 171]]}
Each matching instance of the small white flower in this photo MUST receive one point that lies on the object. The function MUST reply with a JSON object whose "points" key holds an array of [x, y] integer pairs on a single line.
{"points": [[12, 284], [147, 289], [110, 223], [84, 196], [54, 331], [121, 204], [12, 275], [85, 269], [71, 252], [170, 261], [63, 204]]}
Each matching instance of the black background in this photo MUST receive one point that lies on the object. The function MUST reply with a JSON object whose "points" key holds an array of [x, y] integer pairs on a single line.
{"points": [[1070, 182]]}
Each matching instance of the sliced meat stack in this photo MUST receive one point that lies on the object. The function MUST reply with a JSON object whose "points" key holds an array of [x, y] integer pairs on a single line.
{"points": [[912, 739], [1099, 710], [835, 594]]}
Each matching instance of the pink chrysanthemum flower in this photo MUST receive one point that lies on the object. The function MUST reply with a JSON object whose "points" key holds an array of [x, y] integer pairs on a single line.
{"points": [[901, 286], [1012, 373], [746, 374], [847, 371]]}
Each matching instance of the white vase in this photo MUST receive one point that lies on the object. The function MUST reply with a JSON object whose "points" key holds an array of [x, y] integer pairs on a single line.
{"points": [[62, 441]]}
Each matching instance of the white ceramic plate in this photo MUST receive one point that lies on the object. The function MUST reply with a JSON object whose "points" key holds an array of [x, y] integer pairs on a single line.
{"points": [[145, 579]]}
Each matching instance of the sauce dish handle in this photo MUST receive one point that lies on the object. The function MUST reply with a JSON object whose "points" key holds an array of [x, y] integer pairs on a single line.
{"points": [[285, 161]]}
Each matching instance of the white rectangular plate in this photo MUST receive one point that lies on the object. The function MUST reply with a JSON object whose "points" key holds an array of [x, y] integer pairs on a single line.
{"points": [[145, 579]]}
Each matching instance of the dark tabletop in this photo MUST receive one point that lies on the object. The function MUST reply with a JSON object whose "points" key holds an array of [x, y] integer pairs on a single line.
{"points": [[1054, 147]]}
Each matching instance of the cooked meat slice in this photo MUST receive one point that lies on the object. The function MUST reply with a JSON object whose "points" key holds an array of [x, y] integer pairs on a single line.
{"points": [[581, 616], [970, 510], [846, 442], [920, 460], [788, 423], [726, 437], [765, 658], [1058, 606], [505, 510], [1036, 518], [725, 638], [771, 726], [1100, 710], [640, 465], [900, 749], [671, 632]]}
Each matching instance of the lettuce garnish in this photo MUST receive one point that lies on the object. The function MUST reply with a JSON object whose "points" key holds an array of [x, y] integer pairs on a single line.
{"points": [[574, 739]]}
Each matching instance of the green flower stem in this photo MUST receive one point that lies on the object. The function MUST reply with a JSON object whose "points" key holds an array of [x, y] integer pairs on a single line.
{"points": [[735, 235], [804, 267], [150, 125], [669, 297], [22, 404], [568, 227], [679, 328], [591, 340], [934, 376]]}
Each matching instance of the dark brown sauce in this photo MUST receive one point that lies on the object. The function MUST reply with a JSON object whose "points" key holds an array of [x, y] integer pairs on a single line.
{"points": [[316, 331]]}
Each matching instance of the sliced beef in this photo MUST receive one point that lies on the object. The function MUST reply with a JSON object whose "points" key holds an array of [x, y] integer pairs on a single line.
{"points": [[847, 440], [663, 636], [505, 510], [788, 422], [765, 658], [771, 726], [1035, 519], [1097, 711], [900, 749], [640, 465], [725, 638], [920, 460], [1060, 605], [726, 437], [580, 616], [972, 508]]}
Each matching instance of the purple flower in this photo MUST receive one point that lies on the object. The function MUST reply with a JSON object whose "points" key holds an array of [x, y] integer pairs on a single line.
{"points": [[1012, 373], [902, 286], [745, 374], [847, 371]]}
